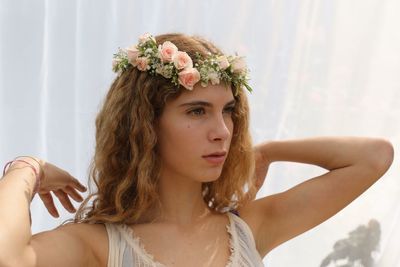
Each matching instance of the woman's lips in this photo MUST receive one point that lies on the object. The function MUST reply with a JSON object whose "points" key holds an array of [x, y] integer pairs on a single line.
{"points": [[215, 159]]}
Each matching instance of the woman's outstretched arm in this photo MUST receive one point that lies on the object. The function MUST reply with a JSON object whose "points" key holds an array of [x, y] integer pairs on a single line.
{"points": [[17, 247], [353, 164], [16, 189]]}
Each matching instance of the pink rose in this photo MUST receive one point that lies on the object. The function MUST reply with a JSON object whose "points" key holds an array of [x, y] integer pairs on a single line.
{"points": [[167, 51], [189, 77], [223, 62], [238, 65], [182, 60], [132, 53], [142, 63]]}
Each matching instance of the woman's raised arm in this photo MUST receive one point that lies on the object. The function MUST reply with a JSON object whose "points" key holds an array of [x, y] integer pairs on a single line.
{"points": [[17, 246], [354, 164]]}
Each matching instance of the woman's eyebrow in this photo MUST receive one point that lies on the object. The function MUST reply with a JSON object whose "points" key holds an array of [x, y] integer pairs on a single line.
{"points": [[205, 103]]}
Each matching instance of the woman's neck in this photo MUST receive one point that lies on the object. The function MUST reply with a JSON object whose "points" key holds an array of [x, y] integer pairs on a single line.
{"points": [[181, 202]]}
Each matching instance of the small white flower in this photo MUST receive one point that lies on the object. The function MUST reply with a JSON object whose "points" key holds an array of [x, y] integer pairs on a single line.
{"points": [[115, 62], [148, 51], [144, 38], [165, 71], [213, 77]]}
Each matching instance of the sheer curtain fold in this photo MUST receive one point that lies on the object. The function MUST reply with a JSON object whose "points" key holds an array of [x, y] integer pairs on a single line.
{"points": [[318, 68]]}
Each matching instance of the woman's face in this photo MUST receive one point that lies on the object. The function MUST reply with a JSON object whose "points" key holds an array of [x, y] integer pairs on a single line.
{"points": [[194, 125]]}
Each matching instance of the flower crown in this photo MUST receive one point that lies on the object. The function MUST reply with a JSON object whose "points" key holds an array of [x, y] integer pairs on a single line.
{"points": [[168, 61]]}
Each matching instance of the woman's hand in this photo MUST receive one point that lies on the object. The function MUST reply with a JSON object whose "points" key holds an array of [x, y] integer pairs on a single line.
{"points": [[62, 184]]}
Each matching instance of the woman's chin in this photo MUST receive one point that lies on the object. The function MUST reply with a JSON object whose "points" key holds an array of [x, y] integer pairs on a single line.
{"points": [[206, 175], [211, 178]]}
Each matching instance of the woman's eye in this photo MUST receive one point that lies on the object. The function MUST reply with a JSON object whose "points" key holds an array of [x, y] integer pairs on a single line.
{"points": [[201, 111], [230, 109], [197, 111]]}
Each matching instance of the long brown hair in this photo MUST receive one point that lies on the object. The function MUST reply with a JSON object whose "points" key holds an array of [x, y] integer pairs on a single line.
{"points": [[125, 167]]}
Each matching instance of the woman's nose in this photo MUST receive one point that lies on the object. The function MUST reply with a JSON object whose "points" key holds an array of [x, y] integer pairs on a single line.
{"points": [[221, 128]]}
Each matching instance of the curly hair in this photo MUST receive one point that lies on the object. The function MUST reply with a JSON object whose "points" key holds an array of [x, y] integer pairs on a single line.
{"points": [[126, 165]]}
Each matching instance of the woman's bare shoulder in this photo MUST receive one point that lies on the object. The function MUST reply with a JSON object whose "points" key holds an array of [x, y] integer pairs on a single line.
{"points": [[93, 235], [84, 230], [87, 243]]}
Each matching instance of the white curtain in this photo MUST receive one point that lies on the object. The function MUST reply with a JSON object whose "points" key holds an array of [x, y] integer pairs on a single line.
{"points": [[317, 68]]}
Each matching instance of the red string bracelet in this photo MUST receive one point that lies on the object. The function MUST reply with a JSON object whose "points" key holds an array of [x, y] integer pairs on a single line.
{"points": [[37, 183], [40, 165]]}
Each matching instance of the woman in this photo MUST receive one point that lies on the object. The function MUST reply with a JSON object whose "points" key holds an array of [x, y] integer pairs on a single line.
{"points": [[173, 156]]}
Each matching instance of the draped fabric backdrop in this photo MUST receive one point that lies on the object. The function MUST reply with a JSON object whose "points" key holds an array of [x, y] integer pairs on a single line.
{"points": [[317, 68]]}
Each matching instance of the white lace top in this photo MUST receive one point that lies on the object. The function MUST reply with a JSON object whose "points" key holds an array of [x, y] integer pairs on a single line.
{"points": [[125, 250]]}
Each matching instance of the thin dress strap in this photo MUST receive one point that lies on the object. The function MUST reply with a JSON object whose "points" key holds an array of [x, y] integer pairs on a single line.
{"points": [[248, 255], [235, 212]]}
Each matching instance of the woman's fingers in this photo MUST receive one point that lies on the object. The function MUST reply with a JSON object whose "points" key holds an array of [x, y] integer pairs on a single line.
{"points": [[63, 196], [65, 201], [76, 184], [73, 194], [49, 204]]}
